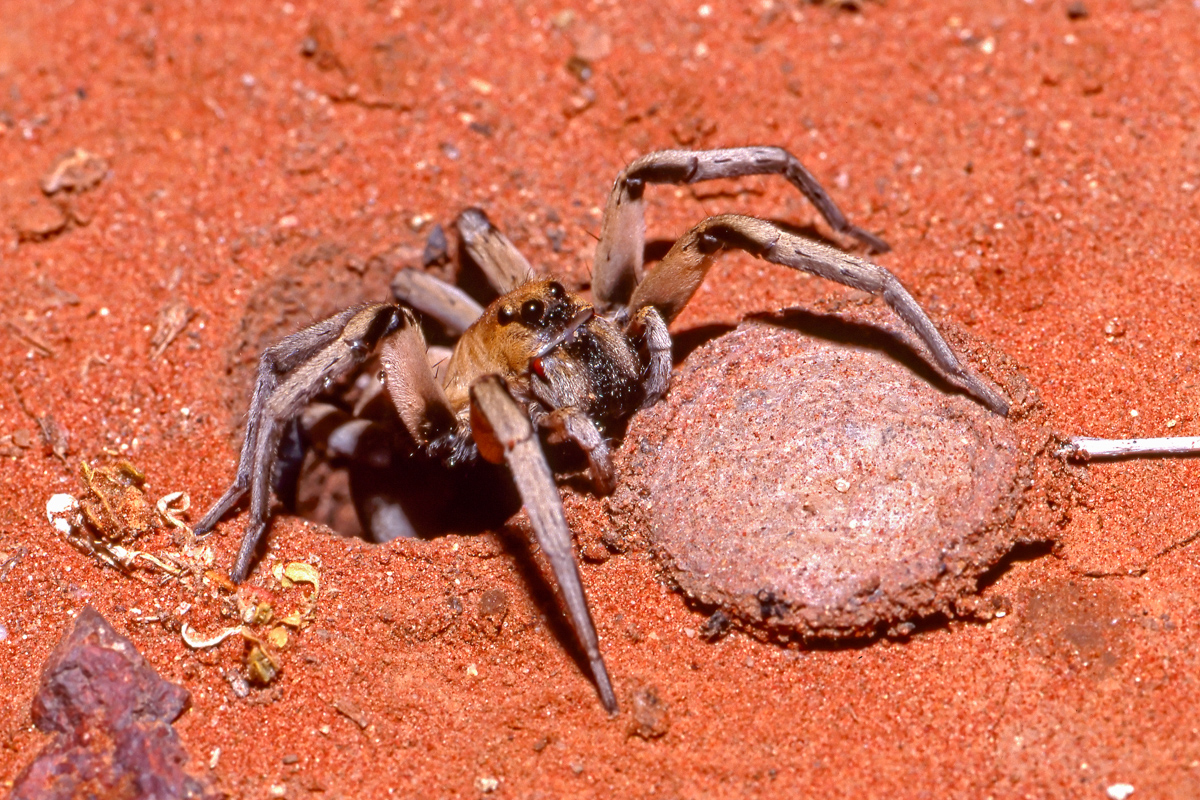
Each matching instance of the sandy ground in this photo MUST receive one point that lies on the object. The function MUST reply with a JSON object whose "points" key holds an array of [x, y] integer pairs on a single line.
{"points": [[1035, 166]]}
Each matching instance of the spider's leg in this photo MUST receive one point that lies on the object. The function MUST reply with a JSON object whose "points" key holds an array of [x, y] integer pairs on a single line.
{"points": [[571, 424], [504, 434], [418, 397], [448, 304], [265, 449], [370, 446], [672, 283], [290, 374], [623, 232], [650, 326], [275, 362], [500, 260]]}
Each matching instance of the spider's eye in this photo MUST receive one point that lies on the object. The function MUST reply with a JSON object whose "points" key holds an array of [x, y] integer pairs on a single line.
{"points": [[556, 290], [708, 243], [531, 311], [504, 315]]}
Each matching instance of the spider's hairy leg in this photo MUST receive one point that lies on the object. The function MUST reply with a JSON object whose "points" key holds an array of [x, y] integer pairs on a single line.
{"points": [[572, 425], [649, 325], [274, 364], [448, 304], [419, 399], [672, 283], [504, 434], [623, 231], [500, 260], [290, 374]]}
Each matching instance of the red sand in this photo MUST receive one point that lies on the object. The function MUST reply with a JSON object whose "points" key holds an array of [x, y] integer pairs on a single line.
{"points": [[1037, 176]]}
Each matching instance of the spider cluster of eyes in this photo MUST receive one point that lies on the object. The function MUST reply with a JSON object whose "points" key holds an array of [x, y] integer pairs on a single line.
{"points": [[532, 312]]}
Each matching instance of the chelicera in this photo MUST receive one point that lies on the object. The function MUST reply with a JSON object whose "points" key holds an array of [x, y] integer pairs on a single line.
{"points": [[542, 362]]}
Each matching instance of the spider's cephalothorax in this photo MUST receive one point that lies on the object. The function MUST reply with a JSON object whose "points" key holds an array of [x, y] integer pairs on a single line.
{"points": [[543, 359], [552, 349]]}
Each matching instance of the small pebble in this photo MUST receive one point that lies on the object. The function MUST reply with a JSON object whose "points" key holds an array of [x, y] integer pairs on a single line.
{"points": [[1119, 791], [239, 685], [62, 510], [436, 248]]}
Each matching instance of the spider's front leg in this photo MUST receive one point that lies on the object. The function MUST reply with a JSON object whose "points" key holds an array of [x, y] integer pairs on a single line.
{"points": [[505, 434], [446, 303], [670, 286], [290, 374], [623, 233]]}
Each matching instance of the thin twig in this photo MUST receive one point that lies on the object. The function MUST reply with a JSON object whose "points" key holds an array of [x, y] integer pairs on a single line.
{"points": [[37, 344], [1083, 448]]}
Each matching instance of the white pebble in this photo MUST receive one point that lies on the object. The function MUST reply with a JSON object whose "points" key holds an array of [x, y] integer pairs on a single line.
{"points": [[842, 485], [1119, 791], [62, 510]]}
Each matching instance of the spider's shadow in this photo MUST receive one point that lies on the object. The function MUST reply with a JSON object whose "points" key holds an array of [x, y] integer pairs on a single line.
{"points": [[542, 592]]}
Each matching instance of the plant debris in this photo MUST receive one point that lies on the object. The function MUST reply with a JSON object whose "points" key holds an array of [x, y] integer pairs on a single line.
{"points": [[173, 318], [262, 628], [114, 513], [115, 506], [76, 170]]}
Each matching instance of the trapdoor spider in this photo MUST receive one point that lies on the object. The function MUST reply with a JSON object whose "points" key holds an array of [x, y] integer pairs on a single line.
{"points": [[543, 359]]}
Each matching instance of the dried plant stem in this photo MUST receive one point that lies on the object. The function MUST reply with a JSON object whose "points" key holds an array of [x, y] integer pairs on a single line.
{"points": [[1084, 448]]}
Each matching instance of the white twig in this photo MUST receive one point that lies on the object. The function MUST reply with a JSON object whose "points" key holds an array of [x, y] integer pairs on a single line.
{"points": [[1084, 448]]}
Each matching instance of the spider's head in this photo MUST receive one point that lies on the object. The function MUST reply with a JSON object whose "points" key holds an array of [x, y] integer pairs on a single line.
{"points": [[545, 342], [534, 319]]}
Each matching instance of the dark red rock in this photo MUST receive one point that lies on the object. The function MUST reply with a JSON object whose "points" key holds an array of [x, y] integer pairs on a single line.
{"points": [[113, 715]]}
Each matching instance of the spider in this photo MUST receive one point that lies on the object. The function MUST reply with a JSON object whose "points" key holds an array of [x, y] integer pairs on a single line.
{"points": [[542, 360]]}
